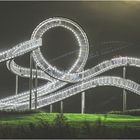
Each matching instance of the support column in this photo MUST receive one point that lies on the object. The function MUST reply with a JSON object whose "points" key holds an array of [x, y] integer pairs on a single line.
{"points": [[51, 108], [82, 102], [124, 91], [30, 82], [36, 83], [61, 106], [16, 92]]}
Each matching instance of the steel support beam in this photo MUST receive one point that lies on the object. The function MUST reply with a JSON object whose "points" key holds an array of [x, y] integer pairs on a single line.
{"points": [[30, 82], [61, 106], [124, 92], [16, 91], [36, 84], [51, 108], [82, 102]]}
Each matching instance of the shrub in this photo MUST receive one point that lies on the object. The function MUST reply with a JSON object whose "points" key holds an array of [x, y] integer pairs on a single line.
{"points": [[134, 112]]}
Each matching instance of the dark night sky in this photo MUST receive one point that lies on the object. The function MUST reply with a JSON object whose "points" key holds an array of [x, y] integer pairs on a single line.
{"points": [[102, 21]]}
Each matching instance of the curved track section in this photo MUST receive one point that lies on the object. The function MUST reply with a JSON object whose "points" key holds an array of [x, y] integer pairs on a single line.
{"points": [[20, 49], [72, 90], [82, 80]]}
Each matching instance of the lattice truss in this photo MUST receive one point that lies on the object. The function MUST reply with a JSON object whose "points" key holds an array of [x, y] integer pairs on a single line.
{"points": [[81, 79]]}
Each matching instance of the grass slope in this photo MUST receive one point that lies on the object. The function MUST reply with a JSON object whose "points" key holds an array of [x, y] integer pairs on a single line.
{"points": [[54, 125], [112, 120]]}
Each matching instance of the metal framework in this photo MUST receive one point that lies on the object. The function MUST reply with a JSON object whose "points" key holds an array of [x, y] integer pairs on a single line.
{"points": [[47, 94]]}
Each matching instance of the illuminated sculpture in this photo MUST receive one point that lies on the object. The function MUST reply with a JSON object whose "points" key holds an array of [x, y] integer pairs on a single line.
{"points": [[82, 80]]}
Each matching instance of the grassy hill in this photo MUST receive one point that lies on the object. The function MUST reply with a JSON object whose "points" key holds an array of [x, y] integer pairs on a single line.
{"points": [[55, 125], [35, 118]]}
